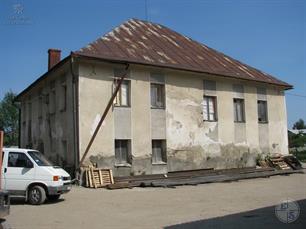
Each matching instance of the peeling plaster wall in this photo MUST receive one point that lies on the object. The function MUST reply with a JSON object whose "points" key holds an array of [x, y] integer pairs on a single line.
{"points": [[251, 117], [191, 142], [50, 130], [278, 122], [95, 89]]}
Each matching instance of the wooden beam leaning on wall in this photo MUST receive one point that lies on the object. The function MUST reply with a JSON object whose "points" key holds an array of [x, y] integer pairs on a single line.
{"points": [[109, 105]]}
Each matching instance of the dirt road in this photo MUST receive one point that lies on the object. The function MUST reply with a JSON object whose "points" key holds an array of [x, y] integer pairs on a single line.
{"points": [[247, 203]]}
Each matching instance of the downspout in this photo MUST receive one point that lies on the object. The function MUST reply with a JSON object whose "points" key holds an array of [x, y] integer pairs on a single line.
{"points": [[75, 102]]}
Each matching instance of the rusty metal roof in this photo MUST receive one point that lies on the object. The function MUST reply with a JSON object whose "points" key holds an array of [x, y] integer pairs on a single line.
{"points": [[143, 42]]}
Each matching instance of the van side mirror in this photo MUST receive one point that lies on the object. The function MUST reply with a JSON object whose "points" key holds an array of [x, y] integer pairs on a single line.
{"points": [[29, 164]]}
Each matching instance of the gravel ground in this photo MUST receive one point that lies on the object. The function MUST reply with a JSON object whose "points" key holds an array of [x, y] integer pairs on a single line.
{"points": [[247, 203]]}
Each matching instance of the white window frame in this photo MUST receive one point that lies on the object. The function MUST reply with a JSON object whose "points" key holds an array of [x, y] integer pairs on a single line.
{"points": [[158, 98], [120, 97], [209, 108], [239, 115]]}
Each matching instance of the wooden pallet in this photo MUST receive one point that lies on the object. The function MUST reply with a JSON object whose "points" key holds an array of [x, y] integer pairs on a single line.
{"points": [[98, 178], [279, 163]]}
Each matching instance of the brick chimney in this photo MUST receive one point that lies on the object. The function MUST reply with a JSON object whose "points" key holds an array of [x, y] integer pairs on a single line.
{"points": [[54, 56]]}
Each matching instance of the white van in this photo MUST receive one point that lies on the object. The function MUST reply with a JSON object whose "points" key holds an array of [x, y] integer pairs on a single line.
{"points": [[28, 173]]}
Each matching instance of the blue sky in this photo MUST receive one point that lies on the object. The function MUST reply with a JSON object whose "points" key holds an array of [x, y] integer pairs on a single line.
{"points": [[268, 35]]}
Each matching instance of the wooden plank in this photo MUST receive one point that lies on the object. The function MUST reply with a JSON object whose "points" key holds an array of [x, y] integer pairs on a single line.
{"points": [[111, 176], [86, 177], [90, 178], [189, 174], [93, 180], [101, 178]]}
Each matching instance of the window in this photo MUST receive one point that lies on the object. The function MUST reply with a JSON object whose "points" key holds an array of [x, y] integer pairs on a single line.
{"points": [[159, 155], [123, 95], [40, 101], [262, 111], [29, 141], [19, 160], [24, 112], [122, 152], [157, 95], [39, 158], [209, 108], [209, 86], [63, 100], [239, 110], [52, 98], [29, 111]]}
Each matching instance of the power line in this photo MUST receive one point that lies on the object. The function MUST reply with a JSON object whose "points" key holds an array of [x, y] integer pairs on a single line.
{"points": [[297, 95]]}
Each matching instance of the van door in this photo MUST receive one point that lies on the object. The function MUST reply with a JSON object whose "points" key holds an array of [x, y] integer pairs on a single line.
{"points": [[18, 172]]}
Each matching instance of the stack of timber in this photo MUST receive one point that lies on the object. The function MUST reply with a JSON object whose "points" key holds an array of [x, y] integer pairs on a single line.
{"points": [[278, 162], [293, 162], [98, 178], [194, 177]]}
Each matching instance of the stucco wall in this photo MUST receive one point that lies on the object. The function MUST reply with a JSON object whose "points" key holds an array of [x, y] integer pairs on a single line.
{"points": [[95, 89], [51, 131], [191, 142]]}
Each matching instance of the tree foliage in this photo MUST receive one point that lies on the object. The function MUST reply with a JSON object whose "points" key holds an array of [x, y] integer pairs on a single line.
{"points": [[297, 140], [299, 125], [9, 118]]}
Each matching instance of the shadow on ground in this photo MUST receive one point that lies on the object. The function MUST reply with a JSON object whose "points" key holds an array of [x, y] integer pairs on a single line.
{"points": [[255, 219], [21, 201]]}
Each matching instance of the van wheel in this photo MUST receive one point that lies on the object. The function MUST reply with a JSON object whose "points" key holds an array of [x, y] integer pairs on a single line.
{"points": [[37, 195], [54, 197]]}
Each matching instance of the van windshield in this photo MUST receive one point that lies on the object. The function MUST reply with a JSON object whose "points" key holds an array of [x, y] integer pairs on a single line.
{"points": [[39, 158]]}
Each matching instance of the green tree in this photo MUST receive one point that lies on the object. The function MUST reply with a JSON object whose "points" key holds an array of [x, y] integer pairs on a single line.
{"points": [[299, 125], [9, 118]]}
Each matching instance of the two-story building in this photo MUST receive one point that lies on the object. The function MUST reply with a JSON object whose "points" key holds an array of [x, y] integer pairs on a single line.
{"points": [[182, 106]]}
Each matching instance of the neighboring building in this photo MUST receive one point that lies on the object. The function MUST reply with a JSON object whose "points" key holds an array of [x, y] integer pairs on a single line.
{"points": [[297, 131], [183, 105]]}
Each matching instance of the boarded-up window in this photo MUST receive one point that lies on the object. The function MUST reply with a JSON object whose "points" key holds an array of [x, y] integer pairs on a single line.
{"points": [[122, 151], [29, 111], [159, 154], [52, 105], [24, 111], [262, 111], [209, 85], [29, 142], [239, 110], [40, 104], [63, 98], [209, 108], [157, 95], [123, 95]]}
